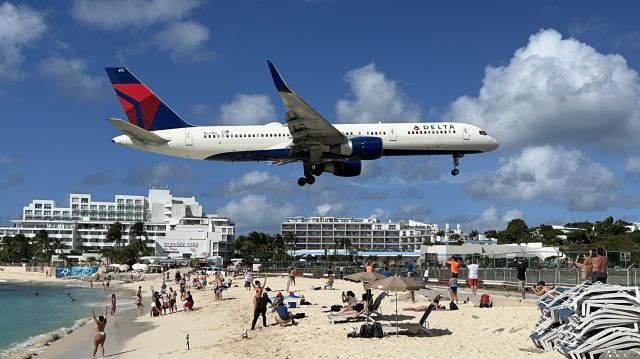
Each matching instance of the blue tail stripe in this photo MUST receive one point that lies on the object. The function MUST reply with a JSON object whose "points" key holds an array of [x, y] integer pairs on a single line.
{"points": [[121, 75], [135, 104], [277, 79]]}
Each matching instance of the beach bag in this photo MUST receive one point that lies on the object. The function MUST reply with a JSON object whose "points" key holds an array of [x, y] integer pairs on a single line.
{"points": [[366, 331], [336, 308], [377, 330], [453, 306], [484, 301], [298, 315]]}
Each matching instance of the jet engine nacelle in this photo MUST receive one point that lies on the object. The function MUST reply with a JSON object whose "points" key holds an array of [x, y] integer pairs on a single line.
{"points": [[350, 168], [360, 148]]}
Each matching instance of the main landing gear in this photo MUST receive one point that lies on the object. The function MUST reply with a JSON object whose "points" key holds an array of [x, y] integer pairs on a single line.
{"points": [[309, 171], [456, 163]]}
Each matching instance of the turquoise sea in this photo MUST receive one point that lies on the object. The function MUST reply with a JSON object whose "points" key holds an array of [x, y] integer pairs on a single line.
{"points": [[29, 321]]}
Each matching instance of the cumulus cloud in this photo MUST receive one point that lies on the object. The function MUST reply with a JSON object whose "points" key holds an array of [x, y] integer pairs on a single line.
{"points": [[19, 26], [335, 209], [71, 78], [566, 177], [632, 167], [184, 40], [248, 110], [374, 97], [120, 14], [403, 170], [490, 218], [257, 213], [554, 91], [160, 174]]}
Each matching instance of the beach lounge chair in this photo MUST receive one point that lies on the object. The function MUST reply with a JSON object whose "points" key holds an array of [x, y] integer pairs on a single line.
{"points": [[361, 315], [375, 306], [422, 325]]}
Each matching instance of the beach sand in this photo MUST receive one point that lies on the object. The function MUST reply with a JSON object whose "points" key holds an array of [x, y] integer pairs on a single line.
{"points": [[215, 329]]}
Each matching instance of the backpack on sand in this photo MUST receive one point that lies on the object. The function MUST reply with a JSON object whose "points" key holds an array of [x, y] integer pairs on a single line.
{"points": [[377, 330], [485, 302]]}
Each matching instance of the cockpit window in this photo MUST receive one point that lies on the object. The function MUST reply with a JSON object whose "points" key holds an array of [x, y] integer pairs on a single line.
{"points": [[482, 132]]}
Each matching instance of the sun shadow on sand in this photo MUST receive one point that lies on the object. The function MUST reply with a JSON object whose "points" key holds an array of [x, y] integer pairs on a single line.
{"points": [[120, 353]]}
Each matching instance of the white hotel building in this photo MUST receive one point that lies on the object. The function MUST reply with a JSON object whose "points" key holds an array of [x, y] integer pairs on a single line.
{"points": [[168, 219], [317, 234]]}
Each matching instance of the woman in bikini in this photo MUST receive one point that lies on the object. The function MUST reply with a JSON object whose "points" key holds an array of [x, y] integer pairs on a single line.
{"points": [[101, 336], [113, 304], [258, 288]]}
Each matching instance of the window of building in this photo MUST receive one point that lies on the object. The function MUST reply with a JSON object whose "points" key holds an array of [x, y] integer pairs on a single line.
{"points": [[84, 200], [38, 205]]}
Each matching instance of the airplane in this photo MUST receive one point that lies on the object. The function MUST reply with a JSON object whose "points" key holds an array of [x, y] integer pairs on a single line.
{"points": [[305, 137]]}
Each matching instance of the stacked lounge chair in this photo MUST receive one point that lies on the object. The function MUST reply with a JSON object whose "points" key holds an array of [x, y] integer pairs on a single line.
{"points": [[588, 319]]}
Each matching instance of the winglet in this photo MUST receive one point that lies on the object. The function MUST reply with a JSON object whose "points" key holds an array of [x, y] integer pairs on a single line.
{"points": [[281, 86]]}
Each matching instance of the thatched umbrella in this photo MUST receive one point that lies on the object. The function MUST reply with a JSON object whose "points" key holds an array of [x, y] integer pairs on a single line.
{"points": [[396, 284]]}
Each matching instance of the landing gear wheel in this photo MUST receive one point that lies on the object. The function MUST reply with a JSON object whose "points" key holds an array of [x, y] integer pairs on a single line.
{"points": [[455, 171], [302, 181], [317, 170], [310, 180]]}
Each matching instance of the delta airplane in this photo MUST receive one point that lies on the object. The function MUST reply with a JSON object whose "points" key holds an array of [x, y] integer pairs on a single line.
{"points": [[305, 137]]}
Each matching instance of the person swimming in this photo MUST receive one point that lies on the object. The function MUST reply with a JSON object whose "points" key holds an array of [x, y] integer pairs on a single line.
{"points": [[100, 337]]}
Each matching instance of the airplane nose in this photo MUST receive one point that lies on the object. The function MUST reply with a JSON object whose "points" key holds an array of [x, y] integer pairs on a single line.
{"points": [[493, 143]]}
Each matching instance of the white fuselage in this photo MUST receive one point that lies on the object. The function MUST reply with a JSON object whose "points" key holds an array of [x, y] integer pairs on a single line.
{"points": [[272, 141]]}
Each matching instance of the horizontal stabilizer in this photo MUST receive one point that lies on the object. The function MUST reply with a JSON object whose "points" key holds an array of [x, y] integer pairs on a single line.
{"points": [[136, 132]]}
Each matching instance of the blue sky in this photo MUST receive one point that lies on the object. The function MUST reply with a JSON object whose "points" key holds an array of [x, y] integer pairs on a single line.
{"points": [[555, 82]]}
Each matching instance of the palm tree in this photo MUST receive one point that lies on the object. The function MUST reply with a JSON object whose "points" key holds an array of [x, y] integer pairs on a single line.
{"points": [[292, 240], [474, 234], [114, 234], [44, 246], [135, 233]]}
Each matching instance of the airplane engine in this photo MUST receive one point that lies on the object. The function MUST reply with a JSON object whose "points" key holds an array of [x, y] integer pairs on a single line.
{"points": [[350, 168], [360, 148]]}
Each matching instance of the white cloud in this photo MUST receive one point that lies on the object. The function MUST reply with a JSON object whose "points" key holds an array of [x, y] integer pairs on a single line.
{"points": [[19, 26], [257, 213], [184, 40], [120, 14], [557, 90], [490, 218], [331, 209], [566, 177], [248, 110], [375, 98], [632, 167], [201, 109], [70, 77], [160, 174]]}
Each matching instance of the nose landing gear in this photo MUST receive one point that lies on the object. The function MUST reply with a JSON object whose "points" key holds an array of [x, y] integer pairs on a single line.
{"points": [[456, 162]]}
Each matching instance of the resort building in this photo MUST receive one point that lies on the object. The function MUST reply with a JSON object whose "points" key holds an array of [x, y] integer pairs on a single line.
{"points": [[83, 224], [317, 235]]}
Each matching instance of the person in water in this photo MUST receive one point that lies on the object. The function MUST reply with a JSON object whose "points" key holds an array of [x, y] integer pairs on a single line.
{"points": [[100, 337], [113, 304]]}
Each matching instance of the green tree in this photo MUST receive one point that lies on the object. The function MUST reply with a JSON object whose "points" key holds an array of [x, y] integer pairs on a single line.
{"points": [[292, 241], [43, 245], [114, 234], [473, 234], [517, 232], [136, 233]]}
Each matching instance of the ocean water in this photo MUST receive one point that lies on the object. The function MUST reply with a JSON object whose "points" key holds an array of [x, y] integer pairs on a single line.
{"points": [[28, 321]]}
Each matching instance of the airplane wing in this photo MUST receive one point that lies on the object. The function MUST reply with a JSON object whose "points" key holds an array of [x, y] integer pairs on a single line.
{"points": [[309, 130], [136, 132]]}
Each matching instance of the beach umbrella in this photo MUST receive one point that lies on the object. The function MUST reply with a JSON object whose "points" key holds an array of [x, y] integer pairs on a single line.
{"points": [[365, 277], [396, 284], [123, 267]]}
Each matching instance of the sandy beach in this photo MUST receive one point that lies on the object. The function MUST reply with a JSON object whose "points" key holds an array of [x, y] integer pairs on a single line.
{"points": [[215, 328]]}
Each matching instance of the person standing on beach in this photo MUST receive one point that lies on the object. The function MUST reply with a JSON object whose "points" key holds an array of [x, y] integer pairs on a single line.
{"points": [[100, 337], [600, 264], [104, 286], [261, 309], [521, 275], [258, 288], [473, 275], [113, 304], [586, 266], [368, 267], [248, 279], [410, 269], [292, 278], [341, 270], [455, 266]]}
